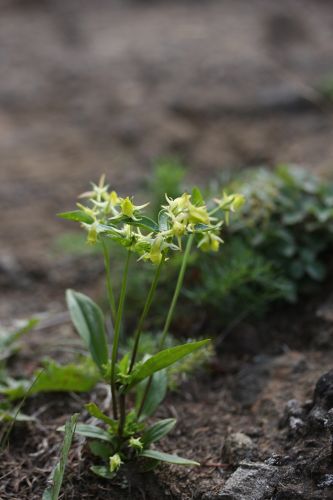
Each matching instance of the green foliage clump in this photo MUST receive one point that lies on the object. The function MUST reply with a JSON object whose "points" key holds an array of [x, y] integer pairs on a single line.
{"points": [[243, 282], [278, 250], [288, 220], [180, 223]]}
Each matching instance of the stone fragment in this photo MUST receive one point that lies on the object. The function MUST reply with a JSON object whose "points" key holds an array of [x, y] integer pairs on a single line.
{"points": [[251, 481], [237, 447]]}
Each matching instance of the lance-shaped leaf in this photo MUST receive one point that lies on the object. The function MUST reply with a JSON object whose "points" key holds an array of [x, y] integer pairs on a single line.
{"points": [[162, 360], [88, 320], [90, 431], [158, 431], [77, 216], [97, 413], [53, 491], [155, 396], [166, 457]]}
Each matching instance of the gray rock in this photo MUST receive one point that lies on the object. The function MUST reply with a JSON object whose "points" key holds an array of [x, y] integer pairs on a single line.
{"points": [[296, 425], [237, 447], [251, 481], [294, 408], [326, 481], [323, 394]]}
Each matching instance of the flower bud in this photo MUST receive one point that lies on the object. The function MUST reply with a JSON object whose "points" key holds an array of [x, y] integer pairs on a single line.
{"points": [[92, 234], [198, 215], [210, 242], [115, 462], [114, 200], [136, 443], [155, 253], [127, 207], [238, 202]]}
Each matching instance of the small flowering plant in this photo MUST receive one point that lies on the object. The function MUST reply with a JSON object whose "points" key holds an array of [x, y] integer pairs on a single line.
{"points": [[124, 435]]}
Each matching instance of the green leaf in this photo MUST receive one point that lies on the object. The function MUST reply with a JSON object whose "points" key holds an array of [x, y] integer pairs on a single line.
{"points": [[53, 491], [102, 471], [158, 431], [12, 337], [90, 431], [122, 365], [15, 389], [101, 449], [202, 227], [13, 416], [161, 360], [77, 216], [316, 270], [88, 320], [166, 457], [96, 412], [197, 198], [79, 377], [141, 221], [156, 394], [8, 339]]}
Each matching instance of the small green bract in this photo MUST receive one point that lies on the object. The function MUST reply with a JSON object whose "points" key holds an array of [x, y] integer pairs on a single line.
{"points": [[124, 435]]}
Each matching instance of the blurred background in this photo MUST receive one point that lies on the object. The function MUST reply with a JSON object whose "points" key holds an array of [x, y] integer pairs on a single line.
{"points": [[113, 86]]}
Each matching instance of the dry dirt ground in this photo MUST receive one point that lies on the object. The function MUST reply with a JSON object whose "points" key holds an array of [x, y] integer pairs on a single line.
{"points": [[111, 86]]}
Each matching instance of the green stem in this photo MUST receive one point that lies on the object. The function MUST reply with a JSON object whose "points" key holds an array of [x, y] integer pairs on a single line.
{"points": [[122, 415], [144, 313], [144, 397], [177, 289], [116, 335], [170, 312], [109, 288]]}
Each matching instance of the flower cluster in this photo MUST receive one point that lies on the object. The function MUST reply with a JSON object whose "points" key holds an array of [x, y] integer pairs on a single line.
{"points": [[111, 216]]}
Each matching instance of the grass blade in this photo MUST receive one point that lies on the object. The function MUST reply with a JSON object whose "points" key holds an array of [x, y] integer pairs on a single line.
{"points": [[52, 492]]}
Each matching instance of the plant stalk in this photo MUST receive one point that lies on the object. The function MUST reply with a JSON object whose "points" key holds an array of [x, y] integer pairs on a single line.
{"points": [[144, 397], [144, 313], [116, 335], [177, 290], [109, 287], [170, 312], [122, 415]]}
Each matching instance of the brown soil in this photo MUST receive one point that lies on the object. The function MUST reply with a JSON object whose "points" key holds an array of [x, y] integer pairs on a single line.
{"points": [[110, 86], [239, 393]]}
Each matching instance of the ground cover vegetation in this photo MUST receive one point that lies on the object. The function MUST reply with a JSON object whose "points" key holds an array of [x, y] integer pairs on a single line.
{"points": [[277, 249]]}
